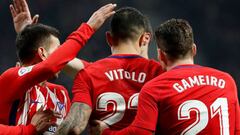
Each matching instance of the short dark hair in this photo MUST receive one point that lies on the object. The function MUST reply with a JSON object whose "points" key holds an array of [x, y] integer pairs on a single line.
{"points": [[175, 38], [31, 38], [129, 23]]}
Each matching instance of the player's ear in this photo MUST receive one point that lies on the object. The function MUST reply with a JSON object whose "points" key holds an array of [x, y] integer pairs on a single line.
{"points": [[109, 38], [194, 49], [145, 39], [42, 53]]}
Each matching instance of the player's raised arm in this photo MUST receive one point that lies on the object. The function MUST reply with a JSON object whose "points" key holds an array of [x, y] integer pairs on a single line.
{"points": [[21, 16], [58, 59]]}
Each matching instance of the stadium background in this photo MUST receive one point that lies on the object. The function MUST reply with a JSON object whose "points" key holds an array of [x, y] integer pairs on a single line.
{"points": [[215, 24]]}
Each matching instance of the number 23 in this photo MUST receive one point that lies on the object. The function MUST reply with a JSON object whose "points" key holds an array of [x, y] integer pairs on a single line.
{"points": [[119, 105]]}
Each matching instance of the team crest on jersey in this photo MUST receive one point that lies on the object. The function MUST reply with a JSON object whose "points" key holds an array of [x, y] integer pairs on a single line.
{"points": [[60, 105], [24, 70]]}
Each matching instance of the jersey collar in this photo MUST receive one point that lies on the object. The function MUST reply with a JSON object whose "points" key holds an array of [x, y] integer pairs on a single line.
{"points": [[186, 66], [125, 56]]}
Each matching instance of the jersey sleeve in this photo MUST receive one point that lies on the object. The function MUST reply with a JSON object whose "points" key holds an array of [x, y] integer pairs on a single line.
{"points": [[29, 76], [81, 88], [17, 130]]}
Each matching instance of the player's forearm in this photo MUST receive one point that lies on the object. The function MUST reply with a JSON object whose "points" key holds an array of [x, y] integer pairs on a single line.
{"points": [[73, 67], [76, 121], [17, 130], [128, 131], [69, 48]]}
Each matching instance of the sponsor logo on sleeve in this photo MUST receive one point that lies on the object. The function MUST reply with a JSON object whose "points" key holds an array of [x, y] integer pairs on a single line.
{"points": [[24, 70]]}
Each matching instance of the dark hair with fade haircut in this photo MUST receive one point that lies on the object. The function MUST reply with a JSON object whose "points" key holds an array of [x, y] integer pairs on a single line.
{"points": [[175, 37], [31, 38], [129, 23]]}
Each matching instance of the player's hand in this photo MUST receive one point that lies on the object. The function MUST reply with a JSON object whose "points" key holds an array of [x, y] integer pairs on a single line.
{"points": [[21, 15], [97, 127], [43, 119], [100, 16]]}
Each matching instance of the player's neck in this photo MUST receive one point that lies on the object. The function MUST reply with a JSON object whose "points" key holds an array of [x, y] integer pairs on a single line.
{"points": [[125, 48], [171, 65]]}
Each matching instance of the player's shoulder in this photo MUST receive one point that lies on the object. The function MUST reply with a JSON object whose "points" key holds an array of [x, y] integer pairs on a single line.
{"points": [[83, 75], [10, 72], [218, 72], [151, 62], [99, 64], [18, 71]]}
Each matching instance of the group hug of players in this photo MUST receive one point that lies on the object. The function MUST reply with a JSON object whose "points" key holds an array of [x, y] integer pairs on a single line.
{"points": [[123, 94]]}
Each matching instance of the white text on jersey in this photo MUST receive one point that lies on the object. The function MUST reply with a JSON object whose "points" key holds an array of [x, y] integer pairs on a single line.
{"points": [[198, 81], [118, 74]]}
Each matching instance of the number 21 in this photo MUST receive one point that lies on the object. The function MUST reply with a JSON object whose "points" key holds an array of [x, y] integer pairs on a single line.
{"points": [[219, 106]]}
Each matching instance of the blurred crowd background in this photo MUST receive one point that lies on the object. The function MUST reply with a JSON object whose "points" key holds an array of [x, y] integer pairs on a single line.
{"points": [[215, 23]]}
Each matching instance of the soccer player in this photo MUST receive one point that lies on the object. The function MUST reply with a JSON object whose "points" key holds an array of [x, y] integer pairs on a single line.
{"points": [[36, 46], [188, 99], [109, 87]]}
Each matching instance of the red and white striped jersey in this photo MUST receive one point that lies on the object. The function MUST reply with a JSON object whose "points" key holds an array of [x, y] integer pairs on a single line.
{"points": [[50, 96]]}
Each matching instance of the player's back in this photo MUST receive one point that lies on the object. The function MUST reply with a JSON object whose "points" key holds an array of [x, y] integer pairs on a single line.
{"points": [[195, 100], [116, 82]]}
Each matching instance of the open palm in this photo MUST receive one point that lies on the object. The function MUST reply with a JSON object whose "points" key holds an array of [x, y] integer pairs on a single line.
{"points": [[21, 15]]}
